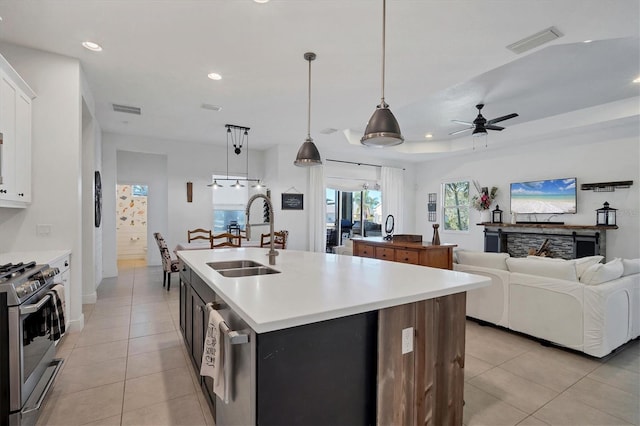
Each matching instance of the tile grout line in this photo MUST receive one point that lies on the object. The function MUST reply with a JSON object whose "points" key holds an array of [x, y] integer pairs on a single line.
{"points": [[126, 361]]}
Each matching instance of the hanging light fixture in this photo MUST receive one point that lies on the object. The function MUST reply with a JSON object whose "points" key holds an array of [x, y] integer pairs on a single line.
{"points": [[238, 136], [382, 129], [215, 184], [308, 154]]}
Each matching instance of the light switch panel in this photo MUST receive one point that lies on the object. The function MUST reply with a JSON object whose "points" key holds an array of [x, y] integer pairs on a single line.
{"points": [[407, 340], [43, 230]]}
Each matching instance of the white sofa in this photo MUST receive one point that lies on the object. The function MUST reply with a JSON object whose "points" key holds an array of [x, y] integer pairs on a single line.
{"points": [[580, 304]]}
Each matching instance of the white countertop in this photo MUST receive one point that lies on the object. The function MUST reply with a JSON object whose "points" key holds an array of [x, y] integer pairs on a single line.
{"points": [[40, 256], [315, 287]]}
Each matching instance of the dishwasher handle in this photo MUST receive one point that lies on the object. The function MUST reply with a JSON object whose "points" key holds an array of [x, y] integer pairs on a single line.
{"points": [[231, 337]]}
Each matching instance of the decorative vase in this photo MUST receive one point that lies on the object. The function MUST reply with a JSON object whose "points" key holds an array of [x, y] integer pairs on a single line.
{"points": [[436, 237], [485, 216]]}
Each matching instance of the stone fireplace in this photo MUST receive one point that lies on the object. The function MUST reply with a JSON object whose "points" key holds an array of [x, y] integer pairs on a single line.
{"points": [[564, 241]]}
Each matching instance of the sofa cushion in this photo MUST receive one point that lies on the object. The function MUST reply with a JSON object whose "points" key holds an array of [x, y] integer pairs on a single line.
{"points": [[556, 269], [600, 273], [583, 263], [482, 259], [630, 267]]}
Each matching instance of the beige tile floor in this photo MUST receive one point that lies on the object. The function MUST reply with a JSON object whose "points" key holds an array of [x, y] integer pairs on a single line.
{"points": [[129, 367]]}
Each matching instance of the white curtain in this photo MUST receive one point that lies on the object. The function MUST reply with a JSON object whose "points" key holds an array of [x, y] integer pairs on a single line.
{"points": [[317, 209], [393, 196]]}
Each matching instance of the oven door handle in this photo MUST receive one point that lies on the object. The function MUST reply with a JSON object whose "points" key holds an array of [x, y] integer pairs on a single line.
{"points": [[29, 309]]}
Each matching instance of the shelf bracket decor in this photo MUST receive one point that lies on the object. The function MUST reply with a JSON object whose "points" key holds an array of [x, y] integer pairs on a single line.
{"points": [[606, 186]]}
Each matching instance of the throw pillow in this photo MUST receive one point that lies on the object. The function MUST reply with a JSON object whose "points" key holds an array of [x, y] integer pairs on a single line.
{"points": [[583, 263], [559, 270], [482, 259], [600, 273], [630, 266]]}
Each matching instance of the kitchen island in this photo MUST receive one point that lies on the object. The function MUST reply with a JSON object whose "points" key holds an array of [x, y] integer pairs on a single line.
{"points": [[325, 338]]}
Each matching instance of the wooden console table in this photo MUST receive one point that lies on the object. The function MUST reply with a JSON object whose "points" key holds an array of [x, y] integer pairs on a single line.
{"points": [[424, 254]]}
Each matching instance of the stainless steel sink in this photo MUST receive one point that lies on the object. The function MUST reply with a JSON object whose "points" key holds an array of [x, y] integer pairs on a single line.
{"points": [[247, 272], [241, 268], [233, 264]]}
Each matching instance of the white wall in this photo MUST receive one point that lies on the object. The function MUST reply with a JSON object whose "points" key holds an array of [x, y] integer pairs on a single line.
{"points": [[56, 164], [91, 161], [595, 156]]}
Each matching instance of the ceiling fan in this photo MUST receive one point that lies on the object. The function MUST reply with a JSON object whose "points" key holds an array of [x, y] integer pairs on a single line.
{"points": [[480, 125]]}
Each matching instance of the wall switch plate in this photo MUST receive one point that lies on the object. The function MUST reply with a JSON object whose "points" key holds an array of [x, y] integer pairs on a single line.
{"points": [[407, 340], [43, 230]]}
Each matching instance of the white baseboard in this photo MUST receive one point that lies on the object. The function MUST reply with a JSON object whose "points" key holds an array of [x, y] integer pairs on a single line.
{"points": [[89, 298], [76, 324]]}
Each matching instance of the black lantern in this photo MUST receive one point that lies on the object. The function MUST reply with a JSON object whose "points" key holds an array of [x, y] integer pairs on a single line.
{"points": [[606, 215], [496, 215]]}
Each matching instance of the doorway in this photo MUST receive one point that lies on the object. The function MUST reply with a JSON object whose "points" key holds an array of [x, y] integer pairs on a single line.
{"points": [[131, 222]]}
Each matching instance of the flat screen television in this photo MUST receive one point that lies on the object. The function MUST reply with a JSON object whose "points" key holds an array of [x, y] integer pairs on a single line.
{"points": [[551, 196]]}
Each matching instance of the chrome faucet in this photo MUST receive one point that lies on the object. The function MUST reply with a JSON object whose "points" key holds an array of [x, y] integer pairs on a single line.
{"points": [[272, 252]]}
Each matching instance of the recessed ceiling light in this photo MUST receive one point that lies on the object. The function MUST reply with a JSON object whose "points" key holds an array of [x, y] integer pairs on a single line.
{"points": [[214, 76], [587, 41], [94, 47], [637, 80], [261, 1], [428, 136]]}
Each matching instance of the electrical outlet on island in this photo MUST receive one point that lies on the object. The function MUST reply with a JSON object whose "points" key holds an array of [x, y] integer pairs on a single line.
{"points": [[407, 340]]}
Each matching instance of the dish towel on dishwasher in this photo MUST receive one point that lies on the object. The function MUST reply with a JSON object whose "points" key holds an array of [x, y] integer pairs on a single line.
{"points": [[213, 356]]}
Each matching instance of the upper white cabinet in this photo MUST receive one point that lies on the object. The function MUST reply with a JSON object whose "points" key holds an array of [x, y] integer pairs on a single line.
{"points": [[15, 139]]}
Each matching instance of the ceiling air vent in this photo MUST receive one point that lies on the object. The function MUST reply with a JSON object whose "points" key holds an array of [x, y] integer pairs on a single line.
{"points": [[535, 40], [328, 131], [211, 107], [127, 109]]}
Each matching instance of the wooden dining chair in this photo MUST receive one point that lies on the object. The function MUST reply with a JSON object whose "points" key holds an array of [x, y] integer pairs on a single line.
{"points": [[279, 239], [198, 234], [226, 239]]}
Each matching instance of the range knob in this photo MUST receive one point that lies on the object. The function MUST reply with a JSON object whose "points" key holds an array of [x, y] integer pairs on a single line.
{"points": [[21, 291]]}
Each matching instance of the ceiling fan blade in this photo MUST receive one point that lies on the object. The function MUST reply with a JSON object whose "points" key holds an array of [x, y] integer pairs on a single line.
{"points": [[462, 122], [504, 117], [460, 131], [492, 127]]}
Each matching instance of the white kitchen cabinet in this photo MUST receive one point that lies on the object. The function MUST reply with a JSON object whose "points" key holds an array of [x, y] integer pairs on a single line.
{"points": [[15, 144]]}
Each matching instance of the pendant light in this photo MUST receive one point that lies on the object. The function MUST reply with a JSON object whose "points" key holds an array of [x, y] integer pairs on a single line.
{"points": [[308, 154], [382, 129], [215, 184]]}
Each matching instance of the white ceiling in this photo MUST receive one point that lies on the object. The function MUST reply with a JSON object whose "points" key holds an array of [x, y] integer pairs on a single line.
{"points": [[443, 57]]}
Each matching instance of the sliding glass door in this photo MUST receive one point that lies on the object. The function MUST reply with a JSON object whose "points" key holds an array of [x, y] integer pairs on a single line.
{"points": [[346, 211]]}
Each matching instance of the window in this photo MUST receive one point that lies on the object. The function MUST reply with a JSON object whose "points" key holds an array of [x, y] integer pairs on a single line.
{"points": [[456, 206], [229, 204], [139, 190]]}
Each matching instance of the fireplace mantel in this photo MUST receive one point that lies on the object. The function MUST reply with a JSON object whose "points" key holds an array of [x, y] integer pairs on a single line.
{"points": [[567, 241], [546, 225]]}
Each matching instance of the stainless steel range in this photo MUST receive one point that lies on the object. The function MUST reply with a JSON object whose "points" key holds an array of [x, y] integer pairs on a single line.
{"points": [[31, 319]]}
